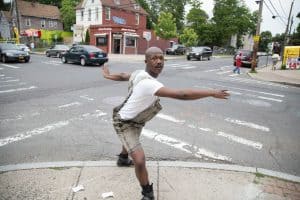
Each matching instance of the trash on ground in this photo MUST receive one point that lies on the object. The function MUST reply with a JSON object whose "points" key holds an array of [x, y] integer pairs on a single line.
{"points": [[107, 194], [78, 188]]}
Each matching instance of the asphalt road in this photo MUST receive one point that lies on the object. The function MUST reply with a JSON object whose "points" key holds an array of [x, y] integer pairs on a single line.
{"points": [[62, 112]]}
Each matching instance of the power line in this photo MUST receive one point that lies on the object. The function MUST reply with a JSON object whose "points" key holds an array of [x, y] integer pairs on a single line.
{"points": [[276, 11], [282, 9], [281, 20]]}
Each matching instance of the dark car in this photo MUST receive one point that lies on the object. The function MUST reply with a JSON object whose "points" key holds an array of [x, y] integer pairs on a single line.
{"points": [[199, 53], [85, 55], [246, 57], [176, 49], [11, 52], [57, 50]]}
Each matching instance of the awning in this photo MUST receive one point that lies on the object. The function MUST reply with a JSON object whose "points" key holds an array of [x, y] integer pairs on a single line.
{"points": [[131, 34]]}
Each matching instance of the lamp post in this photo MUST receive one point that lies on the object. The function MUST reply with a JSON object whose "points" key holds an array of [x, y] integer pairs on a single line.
{"points": [[256, 37]]}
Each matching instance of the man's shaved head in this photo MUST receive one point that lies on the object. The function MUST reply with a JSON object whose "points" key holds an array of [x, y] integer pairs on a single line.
{"points": [[153, 50]]}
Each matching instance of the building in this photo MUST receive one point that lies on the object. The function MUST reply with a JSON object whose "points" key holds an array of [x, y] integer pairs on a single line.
{"points": [[116, 26], [30, 17]]}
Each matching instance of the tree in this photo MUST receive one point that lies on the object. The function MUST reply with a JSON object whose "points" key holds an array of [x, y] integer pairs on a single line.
{"points": [[145, 6], [295, 37], [265, 39], [166, 27], [189, 37], [68, 14], [177, 9], [231, 17], [87, 37]]}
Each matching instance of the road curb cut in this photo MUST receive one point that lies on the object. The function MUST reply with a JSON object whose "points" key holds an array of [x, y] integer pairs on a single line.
{"points": [[178, 164]]}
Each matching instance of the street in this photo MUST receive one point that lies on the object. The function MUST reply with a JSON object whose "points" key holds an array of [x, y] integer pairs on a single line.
{"points": [[62, 112]]}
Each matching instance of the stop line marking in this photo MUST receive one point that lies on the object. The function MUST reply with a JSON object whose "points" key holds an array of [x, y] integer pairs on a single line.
{"points": [[10, 66], [18, 89]]}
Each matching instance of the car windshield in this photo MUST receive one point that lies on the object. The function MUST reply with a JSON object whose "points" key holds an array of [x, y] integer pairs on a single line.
{"points": [[92, 48], [197, 48], [61, 47], [9, 46]]}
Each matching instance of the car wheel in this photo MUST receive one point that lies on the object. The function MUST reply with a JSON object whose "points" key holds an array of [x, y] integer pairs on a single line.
{"points": [[26, 60], [47, 54], [200, 58], [64, 60], [3, 59], [188, 58], [82, 62], [208, 58]]}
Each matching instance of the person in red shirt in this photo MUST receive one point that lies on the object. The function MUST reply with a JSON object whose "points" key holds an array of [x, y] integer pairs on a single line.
{"points": [[238, 63]]}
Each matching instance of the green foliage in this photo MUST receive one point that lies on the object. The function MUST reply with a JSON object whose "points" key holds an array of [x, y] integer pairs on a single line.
{"points": [[265, 39], [189, 37], [87, 37], [68, 14], [166, 27], [231, 17]]}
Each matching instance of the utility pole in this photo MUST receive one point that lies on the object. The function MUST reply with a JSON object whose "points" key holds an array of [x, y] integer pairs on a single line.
{"points": [[286, 32], [256, 37]]}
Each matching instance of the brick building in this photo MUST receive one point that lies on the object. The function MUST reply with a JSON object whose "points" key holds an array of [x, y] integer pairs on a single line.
{"points": [[116, 26]]}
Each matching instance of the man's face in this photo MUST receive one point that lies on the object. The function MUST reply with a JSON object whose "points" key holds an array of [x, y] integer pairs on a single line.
{"points": [[155, 64]]}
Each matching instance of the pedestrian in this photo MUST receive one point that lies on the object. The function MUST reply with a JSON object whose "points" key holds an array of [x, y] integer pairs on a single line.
{"points": [[238, 63], [141, 105], [275, 59]]}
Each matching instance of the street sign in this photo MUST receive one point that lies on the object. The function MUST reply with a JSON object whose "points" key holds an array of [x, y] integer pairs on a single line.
{"points": [[147, 35], [256, 38]]}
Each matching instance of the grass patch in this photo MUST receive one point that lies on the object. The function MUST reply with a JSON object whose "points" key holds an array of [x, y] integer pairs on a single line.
{"points": [[57, 168], [259, 175]]}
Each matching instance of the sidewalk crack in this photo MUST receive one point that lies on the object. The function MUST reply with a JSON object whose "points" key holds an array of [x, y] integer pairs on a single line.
{"points": [[77, 181]]}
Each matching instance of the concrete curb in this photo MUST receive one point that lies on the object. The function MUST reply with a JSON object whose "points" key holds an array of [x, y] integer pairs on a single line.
{"points": [[178, 164]]}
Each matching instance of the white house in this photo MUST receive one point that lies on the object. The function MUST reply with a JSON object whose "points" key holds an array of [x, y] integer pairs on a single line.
{"points": [[88, 12]]}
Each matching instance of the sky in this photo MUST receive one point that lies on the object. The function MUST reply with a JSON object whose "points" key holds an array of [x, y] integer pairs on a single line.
{"points": [[277, 25]]}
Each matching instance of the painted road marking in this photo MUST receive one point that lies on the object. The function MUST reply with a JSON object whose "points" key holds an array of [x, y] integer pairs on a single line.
{"points": [[48, 128], [248, 124], [87, 97], [7, 81], [169, 118], [255, 91], [225, 72], [244, 80], [233, 138], [10, 66], [234, 75], [255, 96], [11, 85], [212, 70], [183, 146], [17, 90], [69, 105]]}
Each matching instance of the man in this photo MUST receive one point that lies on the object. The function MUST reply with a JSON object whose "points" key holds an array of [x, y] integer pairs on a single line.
{"points": [[141, 105]]}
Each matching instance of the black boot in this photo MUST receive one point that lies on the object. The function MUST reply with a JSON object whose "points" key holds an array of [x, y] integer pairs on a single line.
{"points": [[124, 161], [147, 192]]}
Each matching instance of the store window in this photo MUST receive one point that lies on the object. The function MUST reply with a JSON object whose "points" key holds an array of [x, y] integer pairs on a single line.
{"points": [[130, 41], [101, 41], [107, 13]]}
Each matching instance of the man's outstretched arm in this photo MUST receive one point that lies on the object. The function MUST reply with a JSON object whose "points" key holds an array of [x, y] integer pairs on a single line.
{"points": [[115, 77], [191, 94]]}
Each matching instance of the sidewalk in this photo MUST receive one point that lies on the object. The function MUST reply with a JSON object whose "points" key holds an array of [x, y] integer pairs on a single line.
{"points": [[287, 77], [171, 181]]}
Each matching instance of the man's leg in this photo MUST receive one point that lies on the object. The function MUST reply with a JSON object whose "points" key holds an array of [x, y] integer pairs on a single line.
{"points": [[141, 173]]}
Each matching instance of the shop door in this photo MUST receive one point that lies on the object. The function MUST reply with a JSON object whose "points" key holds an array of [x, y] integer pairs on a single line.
{"points": [[117, 45]]}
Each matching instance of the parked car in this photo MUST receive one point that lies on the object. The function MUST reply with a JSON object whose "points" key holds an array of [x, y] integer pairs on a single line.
{"points": [[246, 57], [24, 47], [176, 49], [57, 50], [11, 52], [199, 53], [85, 55]]}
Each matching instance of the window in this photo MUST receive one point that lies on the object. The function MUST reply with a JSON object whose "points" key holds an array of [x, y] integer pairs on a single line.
{"points": [[82, 13], [43, 23], [51, 24], [90, 14], [27, 22], [97, 14], [130, 41], [137, 18], [107, 13], [101, 41], [136, 6]]}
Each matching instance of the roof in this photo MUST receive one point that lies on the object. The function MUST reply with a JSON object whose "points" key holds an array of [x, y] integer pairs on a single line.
{"points": [[124, 5], [38, 10]]}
